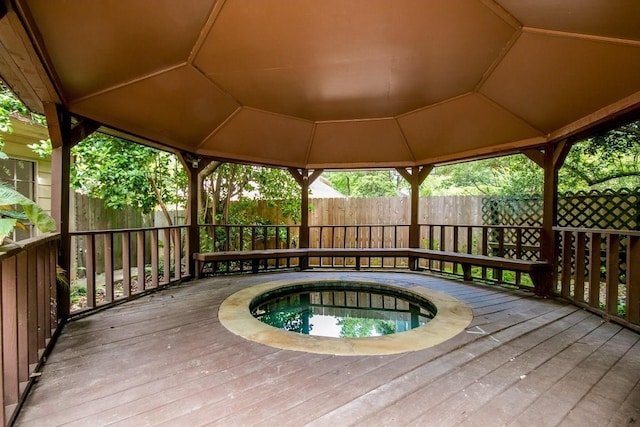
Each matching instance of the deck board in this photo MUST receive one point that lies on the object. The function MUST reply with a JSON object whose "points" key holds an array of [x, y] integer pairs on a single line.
{"points": [[164, 359]]}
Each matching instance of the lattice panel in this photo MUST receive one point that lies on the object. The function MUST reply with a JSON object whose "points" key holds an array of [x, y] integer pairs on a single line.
{"points": [[513, 210], [619, 210]]}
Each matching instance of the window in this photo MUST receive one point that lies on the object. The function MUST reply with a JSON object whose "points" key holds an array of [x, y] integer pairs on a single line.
{"points": [[21, 175]]}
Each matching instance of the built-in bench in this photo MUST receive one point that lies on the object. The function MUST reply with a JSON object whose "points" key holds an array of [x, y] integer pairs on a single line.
{"points": [[535, 269], [214, 258]]}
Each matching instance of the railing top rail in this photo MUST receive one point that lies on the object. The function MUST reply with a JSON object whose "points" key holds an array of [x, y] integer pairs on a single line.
{"points": [[528, 227], [359, 225], [124, 230], [249, 225], [27, 244], [598, 231]]}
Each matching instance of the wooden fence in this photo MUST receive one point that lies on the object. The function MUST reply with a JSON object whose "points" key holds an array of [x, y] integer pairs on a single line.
{"points": [[454, 210]]}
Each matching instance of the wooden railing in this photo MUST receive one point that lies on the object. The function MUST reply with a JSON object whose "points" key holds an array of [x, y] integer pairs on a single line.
{"points": [[30, 316], [359, 236], [516, 242], [600, 270], [214, 238], [111, 263]]}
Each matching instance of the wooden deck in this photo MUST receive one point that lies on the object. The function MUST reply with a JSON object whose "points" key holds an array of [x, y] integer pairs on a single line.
{"points": [[165, 360]]}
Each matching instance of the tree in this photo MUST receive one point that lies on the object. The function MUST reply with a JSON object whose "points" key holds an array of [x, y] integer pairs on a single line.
{"points": [[509, 175], [124, 174], [386, 183], [11, 106], [608, 160], [244, 185]]}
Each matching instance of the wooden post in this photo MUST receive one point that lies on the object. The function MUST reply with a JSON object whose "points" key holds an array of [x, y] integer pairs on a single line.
{"points": [[415, 178], [59, 124], [192, 165], [304, 180], [551, 160], [63, 138]]}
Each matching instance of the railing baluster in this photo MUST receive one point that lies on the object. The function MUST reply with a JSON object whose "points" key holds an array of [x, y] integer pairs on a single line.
{"points": [[41, 282], [565, 279], [633, 279], [108, 267], [140, 265], [90, 271], [518, 253], [594, 269], [613, 270], [484, 245], [580, 262], [9, 318], [166, 255], [22, 275], [32, 295], [126, 264], [177, 254], [155, 282]]}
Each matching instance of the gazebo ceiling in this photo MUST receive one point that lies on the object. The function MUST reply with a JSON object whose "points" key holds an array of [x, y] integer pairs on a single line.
{"points": [[337, 83]]}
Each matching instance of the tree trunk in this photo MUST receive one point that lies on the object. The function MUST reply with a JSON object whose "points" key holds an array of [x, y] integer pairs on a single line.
{"points": [[163, 207]]}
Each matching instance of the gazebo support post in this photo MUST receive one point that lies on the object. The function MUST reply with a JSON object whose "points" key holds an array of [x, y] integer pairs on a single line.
{"points": [[551, 161], [192, 165], [416, 177], [63, 137], [304, 180]]}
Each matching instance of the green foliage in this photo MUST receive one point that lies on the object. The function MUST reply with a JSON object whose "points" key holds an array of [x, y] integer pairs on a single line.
{"points": [[246, 185], [43, 149], [11, 106], [288, 320], [610, 160], [126, 174], [509, 175], [10, 217], [355, 327], [367, 183]]}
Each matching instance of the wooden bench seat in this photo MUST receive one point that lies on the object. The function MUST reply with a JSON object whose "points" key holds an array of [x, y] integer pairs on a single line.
{"points": [[202, 258], [536, 269]]}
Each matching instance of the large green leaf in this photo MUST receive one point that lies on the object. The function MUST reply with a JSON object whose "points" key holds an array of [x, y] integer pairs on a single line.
{"points": [[6, 227], [39, 218], [8, 219], [9, 196], [20, 216]]}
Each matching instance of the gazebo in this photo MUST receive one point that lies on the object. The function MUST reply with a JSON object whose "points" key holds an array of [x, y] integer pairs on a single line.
{"points": [[312, 86]]}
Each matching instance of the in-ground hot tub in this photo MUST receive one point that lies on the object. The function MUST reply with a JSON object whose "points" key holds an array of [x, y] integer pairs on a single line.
{"points": [[346, 317]]}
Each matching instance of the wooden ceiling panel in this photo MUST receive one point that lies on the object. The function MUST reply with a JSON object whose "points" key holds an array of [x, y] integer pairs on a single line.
{"points": [[256, 136], [179, 107], [94, 45], [364, 143], [341, 93], [606, 18], [551, 80], [351, 60], [369, 82], [465, 124]]}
